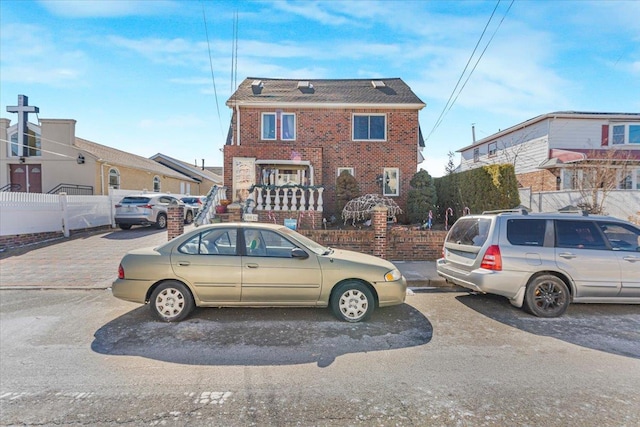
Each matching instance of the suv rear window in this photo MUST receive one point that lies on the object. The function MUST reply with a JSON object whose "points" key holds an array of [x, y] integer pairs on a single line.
{"points": [[470, 231], [135, 200], [526, 232]]}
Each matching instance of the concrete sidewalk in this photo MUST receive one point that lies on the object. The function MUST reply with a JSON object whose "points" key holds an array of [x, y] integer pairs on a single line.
{"points": [[90, 261]]}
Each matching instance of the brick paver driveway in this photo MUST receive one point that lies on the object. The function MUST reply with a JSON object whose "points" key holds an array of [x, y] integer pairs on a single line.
{"points": [[86, 261]]}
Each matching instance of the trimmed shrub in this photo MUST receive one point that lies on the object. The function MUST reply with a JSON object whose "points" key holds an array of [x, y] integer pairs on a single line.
{"points": [[421, 198]]}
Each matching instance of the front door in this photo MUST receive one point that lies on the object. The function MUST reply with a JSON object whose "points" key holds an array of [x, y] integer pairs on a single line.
{"points": [[28, 178]]}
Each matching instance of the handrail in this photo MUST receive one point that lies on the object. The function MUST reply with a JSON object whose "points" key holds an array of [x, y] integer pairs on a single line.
{"points": [[74, 189], [10, 187]]}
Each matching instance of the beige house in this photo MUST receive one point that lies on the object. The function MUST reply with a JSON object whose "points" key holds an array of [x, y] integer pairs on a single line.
{"points": [[206, 177], [51, 159]]}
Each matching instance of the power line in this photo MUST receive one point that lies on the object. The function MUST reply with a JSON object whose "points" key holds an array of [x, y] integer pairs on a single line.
{"points": [[213, 79], [451, 101]]}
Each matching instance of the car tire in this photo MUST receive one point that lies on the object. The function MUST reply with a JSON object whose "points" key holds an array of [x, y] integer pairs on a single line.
{"points": [[547, 296], [189, 217], [352, 302], [161, 221], [124, 226], [171, 301]]}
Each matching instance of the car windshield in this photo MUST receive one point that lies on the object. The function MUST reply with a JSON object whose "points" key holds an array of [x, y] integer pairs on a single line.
{"points": [[315, 247]]}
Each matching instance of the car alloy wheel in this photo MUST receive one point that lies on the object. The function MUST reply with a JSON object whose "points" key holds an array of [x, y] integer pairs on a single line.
{"points": [[547, 296]]}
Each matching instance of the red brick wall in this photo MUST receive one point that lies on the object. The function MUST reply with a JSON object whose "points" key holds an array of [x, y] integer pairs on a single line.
{"points": [[540, 180], [324, 138]]}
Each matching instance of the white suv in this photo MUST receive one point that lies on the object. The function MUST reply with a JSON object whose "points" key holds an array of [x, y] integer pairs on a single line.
{"points": [[544, 261], [147, 209]]}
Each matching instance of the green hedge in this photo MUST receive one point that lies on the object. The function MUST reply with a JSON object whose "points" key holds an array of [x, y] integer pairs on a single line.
{"points": [[487, 188]]}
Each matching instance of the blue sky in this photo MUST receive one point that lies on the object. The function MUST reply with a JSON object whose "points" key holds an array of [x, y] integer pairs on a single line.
{"points": [[137, 75]]}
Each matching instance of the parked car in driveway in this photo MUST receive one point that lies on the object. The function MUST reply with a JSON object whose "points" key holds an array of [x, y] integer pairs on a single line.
{"points": [[194, 202], [544, 261], [255, 265], [148, 209]]}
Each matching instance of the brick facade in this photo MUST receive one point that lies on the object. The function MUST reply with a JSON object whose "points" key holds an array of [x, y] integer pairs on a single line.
{"points": [[540, 180], [324, 139], [324, 117]]}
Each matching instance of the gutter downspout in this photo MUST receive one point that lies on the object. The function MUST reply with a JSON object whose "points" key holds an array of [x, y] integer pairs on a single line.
{"points": [[237, 125]]}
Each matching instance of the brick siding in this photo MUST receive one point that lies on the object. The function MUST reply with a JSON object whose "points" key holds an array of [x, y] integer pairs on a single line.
{"points": [[324, 138]]}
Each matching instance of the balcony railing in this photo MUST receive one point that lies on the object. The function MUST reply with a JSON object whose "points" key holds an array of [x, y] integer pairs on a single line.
{"points": [[288, 198]]}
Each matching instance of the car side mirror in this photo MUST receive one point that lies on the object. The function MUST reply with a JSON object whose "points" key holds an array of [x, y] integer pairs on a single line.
{"points": [[299, 253]]}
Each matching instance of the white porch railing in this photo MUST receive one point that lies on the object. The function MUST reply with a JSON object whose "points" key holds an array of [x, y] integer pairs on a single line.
{"points": [[208, 211], [288, 198]]}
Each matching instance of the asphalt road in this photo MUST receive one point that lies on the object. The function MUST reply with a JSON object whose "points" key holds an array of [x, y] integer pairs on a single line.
{"points": [[82, 357]]}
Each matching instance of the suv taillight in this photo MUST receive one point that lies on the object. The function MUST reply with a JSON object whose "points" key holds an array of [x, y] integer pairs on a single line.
{"points": [[492, 260], [146, 207], [120, 272]]}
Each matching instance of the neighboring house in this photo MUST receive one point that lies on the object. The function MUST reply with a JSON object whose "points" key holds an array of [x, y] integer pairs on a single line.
{"points": [[303, 133], [207, 177], [51, 159], [552, 151]]}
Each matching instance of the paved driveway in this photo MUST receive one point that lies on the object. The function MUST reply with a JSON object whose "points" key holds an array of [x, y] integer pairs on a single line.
{"points": [[88, 261]]}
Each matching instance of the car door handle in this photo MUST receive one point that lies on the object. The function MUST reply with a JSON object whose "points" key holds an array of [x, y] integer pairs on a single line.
{"points": [[567, 255], [631, 258], [251, 265], [184, 263]]}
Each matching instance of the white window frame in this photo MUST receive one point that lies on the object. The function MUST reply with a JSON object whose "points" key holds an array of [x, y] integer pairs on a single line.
{"points": [[493, 149], [353, 126], [116, 173], [282, 118], [275, 127], [476, 154], [350, 170], [157, 184], [388, 175], [626, 127]]}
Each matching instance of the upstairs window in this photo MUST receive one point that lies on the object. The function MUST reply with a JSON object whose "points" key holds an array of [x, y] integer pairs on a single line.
{"points": [[625, 134], [269, 126], [288, 131], [476, 154], [369, 127], [285, 123], [156, 184], [493, 149]]}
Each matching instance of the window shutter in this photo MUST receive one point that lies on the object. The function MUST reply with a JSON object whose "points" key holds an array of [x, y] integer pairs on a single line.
{"points": [[605, 135]]}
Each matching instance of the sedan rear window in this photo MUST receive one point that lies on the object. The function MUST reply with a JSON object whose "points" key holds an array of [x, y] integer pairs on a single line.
{"points": [[135, 200], [470, 231]]}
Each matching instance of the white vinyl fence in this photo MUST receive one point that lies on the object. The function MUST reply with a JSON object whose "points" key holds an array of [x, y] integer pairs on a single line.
{"points": [[624, 204], [25, 213]]}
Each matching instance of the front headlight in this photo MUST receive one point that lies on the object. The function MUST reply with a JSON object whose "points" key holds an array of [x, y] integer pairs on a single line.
{"points": [[393, 275]]}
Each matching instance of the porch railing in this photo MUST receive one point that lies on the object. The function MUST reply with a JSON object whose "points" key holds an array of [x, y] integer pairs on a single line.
{"points": [[288, 198], [207, 213]]}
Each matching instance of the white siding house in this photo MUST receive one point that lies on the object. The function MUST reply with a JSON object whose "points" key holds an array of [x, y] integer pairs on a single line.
{"points": [[548, 150]]}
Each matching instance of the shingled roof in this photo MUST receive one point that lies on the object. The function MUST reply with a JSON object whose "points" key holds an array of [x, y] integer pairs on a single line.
{"points": [[117, 157], [262, 91]]}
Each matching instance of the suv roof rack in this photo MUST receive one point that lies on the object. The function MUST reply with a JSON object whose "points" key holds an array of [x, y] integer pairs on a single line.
{"points": [[522, 211]]}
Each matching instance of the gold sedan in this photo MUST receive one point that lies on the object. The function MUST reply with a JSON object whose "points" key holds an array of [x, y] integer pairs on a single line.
{"points": [[255, 265]]}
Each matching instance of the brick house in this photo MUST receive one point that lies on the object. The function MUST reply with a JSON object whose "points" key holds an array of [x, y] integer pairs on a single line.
{"points": [[552, 151], [300, 134]]}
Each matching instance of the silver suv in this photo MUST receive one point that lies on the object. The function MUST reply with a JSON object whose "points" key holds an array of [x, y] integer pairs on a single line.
{"points": [[544, 261], [147, 209]]}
